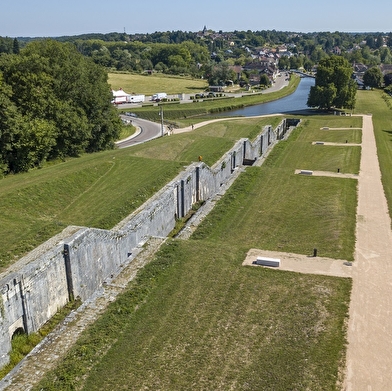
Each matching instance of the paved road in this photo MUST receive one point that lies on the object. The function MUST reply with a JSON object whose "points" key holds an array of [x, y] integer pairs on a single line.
{"points": [[146, 130]]}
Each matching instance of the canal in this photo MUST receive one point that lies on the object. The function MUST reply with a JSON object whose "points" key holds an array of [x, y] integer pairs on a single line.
{"points": [[294, 103]]}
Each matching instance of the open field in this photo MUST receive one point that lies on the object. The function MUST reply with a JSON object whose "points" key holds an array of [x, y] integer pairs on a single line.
{"points": [[151, 84], [195, 318]]}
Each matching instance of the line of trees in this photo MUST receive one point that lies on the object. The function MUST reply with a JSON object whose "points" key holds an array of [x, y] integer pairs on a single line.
{"points": [[54, 103], [180, 52]]}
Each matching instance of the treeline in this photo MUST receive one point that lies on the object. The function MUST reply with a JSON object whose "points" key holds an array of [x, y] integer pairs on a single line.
{"points": [[180, 52], [54, 103], [196, 53]]}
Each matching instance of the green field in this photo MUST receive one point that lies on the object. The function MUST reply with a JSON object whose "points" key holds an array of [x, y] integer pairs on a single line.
{"points": [[99, 190], [151, 84], [194, 318]]}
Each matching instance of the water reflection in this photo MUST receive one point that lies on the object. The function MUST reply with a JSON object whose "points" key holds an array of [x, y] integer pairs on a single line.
{"points": [[294, 103]]}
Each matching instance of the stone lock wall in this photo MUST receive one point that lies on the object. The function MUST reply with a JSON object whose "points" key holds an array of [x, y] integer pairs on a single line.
{"points": [[76, 262]]}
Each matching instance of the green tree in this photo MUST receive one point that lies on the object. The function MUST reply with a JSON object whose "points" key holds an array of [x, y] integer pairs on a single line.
{"points": [[388, 79], [322, 96], [284, 62], [373, 77], [10, 125], [15, 46], [334, 86], [218, 74], [60, 103], [264, 80]]}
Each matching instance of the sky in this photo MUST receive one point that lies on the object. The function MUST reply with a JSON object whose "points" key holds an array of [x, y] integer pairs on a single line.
{"points": [[54, 18]]}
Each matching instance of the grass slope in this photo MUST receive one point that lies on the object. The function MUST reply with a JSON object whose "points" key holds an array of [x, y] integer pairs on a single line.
{"points": [[101, 189], [194, 318]]}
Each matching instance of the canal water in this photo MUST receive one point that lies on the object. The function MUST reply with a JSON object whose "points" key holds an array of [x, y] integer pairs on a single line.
{"points": [[294, 103]]}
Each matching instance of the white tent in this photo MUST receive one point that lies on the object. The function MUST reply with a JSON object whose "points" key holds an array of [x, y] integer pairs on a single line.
{"points": [[120, 96]]}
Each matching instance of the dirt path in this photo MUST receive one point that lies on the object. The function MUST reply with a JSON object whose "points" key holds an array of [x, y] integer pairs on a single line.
{"points": [[369, 355]]}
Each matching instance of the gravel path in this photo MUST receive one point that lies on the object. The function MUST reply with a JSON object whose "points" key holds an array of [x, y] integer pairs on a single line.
{"points": [[369, 354]]}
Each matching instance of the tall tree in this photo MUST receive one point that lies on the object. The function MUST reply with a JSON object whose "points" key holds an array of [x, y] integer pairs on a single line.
{"points": [[334, 86], [65, 102], [388, 79], [15, 48], [373, 77]]}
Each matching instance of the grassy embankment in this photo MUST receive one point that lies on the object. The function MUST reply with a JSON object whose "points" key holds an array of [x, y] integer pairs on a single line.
{"points": [[99, 190], [194, 318], [187, 113], [39, 204]]}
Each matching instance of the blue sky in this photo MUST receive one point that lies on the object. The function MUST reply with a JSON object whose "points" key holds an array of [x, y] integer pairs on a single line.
{"points": [[72, 17]]}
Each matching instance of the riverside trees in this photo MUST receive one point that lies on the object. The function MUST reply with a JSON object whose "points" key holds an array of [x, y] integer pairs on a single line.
{"points": [[334, 85], [54, 103]]}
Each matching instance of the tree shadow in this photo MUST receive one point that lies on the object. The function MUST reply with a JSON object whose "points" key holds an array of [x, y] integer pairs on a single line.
{"points": [[388, 131]]}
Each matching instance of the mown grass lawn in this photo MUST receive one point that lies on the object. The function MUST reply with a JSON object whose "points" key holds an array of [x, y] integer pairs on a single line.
{"points": [[195, 318], [274, 209]]}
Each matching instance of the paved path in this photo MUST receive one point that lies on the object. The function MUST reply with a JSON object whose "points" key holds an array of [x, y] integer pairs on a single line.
{"points": [[369, 354]]}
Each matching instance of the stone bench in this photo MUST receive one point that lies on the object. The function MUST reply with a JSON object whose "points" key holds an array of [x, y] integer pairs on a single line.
{"points": [[265, 261]]}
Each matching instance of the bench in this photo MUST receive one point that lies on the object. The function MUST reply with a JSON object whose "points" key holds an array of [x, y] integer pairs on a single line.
{"points": [[265, 261]]}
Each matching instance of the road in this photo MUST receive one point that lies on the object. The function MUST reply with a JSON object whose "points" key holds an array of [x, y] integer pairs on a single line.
{"points": [[280, 82], [146, 130]]}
